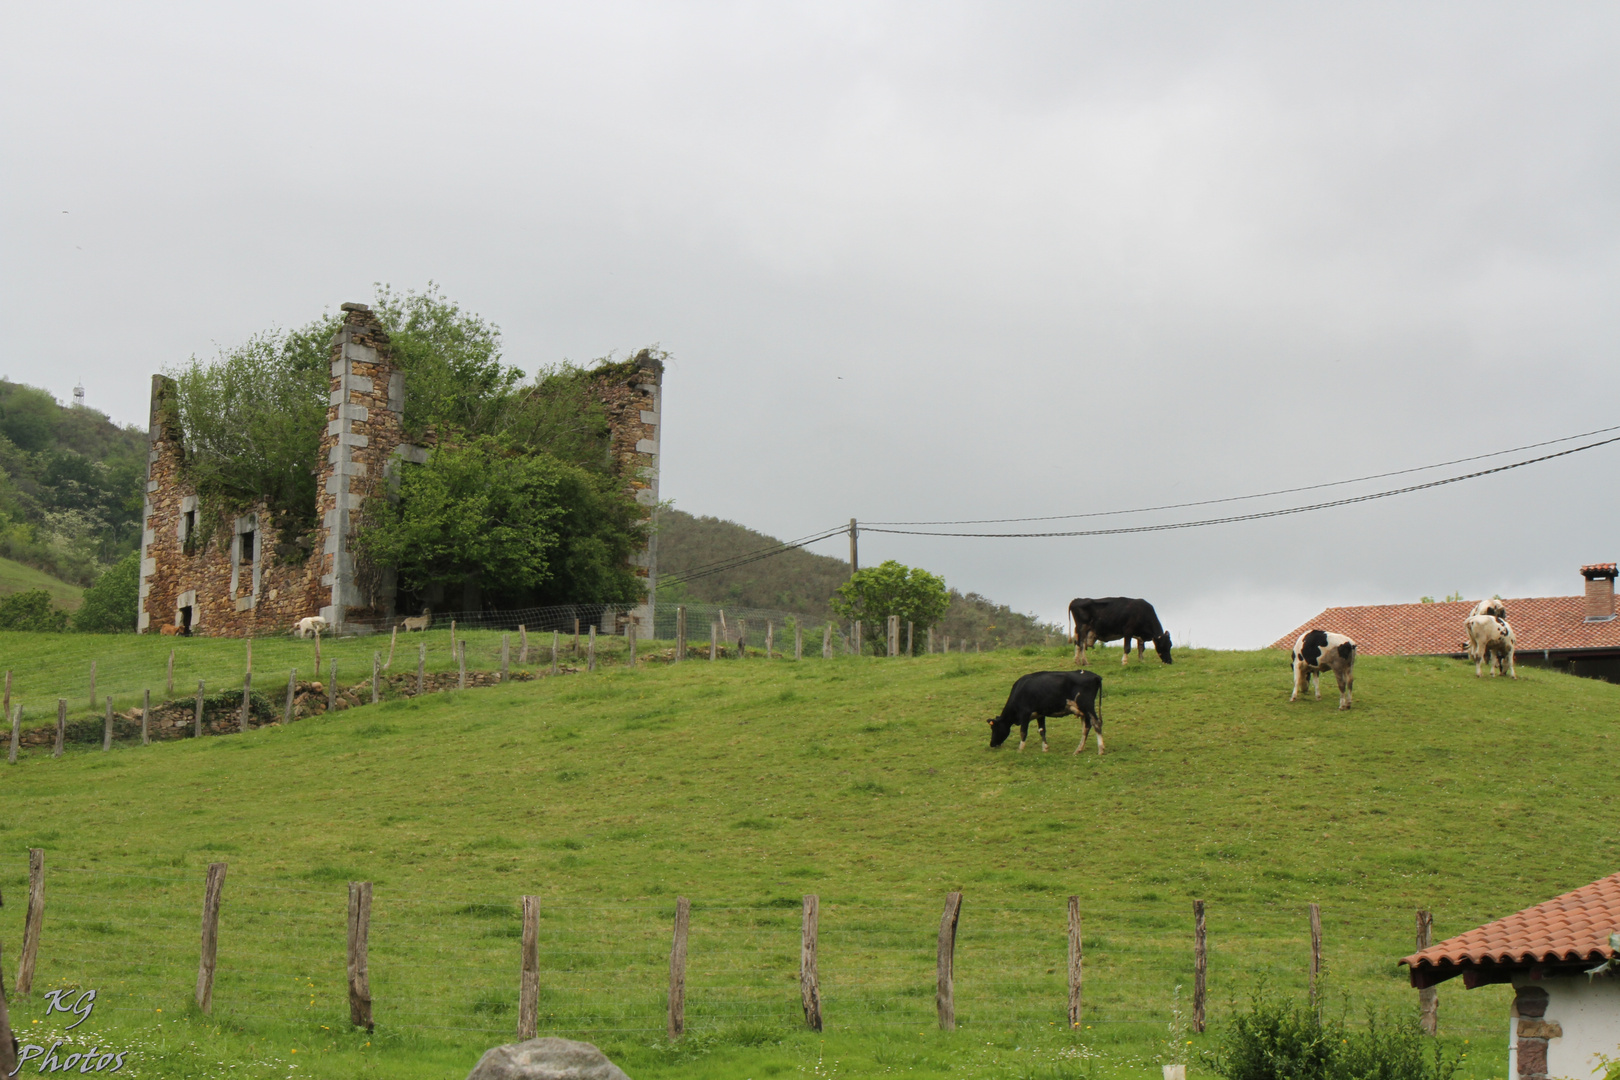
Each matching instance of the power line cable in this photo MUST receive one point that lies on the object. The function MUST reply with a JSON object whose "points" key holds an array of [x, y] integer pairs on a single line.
{"points": [[1244, 498], [733, 563], [1166, 527]]}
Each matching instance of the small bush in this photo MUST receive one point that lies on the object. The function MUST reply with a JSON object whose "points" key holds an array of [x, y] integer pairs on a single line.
{"points": [[111, 604], [1279, 1040], [31, 610]]}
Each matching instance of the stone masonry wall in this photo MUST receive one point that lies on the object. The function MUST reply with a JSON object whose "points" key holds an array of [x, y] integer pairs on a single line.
{"points": [[634, 407]]}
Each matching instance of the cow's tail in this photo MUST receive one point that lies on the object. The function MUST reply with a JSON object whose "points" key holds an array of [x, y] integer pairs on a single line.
{"points": [[1098, 706]]}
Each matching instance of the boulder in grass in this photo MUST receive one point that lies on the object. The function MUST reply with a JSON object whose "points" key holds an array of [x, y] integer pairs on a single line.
{"points": [[546, 1059]]}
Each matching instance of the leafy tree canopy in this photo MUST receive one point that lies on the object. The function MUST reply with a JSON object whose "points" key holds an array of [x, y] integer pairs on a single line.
{"points": [[112, 604], [873, 594], [31, 610], [487, 517]]}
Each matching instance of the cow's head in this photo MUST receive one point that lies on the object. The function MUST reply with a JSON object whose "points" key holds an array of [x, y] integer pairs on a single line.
{"points": [[1000, 728], [1161, 645]]}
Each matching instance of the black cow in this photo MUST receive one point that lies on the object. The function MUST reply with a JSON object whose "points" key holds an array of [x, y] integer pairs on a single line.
{"points": [[1049, 693], [1117, 617]]}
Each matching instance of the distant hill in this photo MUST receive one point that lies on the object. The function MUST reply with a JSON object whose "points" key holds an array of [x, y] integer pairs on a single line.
{"points": [[801, 582], [71, 485]]}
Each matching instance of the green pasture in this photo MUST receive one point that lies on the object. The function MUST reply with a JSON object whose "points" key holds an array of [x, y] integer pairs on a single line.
{"points": [[745, 784], [16, 577]]}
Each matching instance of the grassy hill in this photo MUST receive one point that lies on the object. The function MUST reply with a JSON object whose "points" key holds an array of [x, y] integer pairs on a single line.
{"points": [[16, 577], [744, 784]]}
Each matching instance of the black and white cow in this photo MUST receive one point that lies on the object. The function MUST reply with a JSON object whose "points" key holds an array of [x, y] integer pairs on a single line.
{"points": [[1317, 651], [1490, 643], [1117, 617], [1050, 693]]}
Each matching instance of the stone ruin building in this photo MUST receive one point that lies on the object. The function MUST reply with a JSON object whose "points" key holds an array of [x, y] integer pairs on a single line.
{"points": [[241, 583]]}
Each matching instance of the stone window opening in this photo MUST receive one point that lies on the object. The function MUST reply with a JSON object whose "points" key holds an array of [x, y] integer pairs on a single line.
{"points": [[247, 548], [184, 621]]}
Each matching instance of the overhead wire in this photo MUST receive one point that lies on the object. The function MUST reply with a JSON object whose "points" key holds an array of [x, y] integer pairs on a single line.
{"points": [[1257, 495], [1258, 515]]}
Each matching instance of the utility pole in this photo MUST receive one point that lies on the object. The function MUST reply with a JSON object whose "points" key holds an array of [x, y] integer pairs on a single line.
{"points": [[854, 559]]}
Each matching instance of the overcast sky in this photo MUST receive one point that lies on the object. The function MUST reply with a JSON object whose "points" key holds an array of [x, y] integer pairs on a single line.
{"points": [[927, 261]]}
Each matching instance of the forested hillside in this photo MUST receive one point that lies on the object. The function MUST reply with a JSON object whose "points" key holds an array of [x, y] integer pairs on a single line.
{"points": [[801, 581], [70, 485]]}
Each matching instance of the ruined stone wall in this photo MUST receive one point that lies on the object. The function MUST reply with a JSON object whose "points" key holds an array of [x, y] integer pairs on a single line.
{"points": [[231, 580], [234, 581], [634, 405]]}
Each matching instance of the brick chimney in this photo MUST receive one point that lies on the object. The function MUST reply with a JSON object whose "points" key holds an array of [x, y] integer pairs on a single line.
{"points": [[1599, 591]]}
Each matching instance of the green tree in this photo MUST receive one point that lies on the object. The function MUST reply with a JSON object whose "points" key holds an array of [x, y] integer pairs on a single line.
{"points": [[452, 361], [873, 594], [31, 610], [112, 603], [27, 416], [485, 518]]}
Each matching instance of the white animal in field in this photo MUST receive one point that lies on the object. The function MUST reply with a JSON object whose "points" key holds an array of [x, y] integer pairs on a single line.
{"points": [[1495, 606], [1316, 651], [312, 623], [1490, 642], [421, 622]]}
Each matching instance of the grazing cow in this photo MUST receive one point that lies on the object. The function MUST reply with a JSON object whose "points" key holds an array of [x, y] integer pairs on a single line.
{"points": [[1050, 693], [1117, 617], [312, 623], [1490, 642], [421, 622], [1495, 607], [1317, 651]]}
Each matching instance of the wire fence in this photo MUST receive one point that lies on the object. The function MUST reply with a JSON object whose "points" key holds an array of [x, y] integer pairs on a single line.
{"points": [[448, 962]]}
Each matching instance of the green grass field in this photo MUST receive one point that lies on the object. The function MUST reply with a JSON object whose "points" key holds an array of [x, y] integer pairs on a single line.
{"points": [[16, 578], [745, 784]]}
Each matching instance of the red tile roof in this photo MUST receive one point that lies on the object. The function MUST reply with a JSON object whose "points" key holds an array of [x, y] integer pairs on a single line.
{"points": [[1544, 622], [1572, 927]]}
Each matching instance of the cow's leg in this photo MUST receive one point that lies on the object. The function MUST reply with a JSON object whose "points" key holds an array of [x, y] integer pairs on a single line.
{"points": [[1511, 673], [1023, 734], [1125, 651], [1042, 723], [1096, 722], [1298, 684], [1344, 687]]}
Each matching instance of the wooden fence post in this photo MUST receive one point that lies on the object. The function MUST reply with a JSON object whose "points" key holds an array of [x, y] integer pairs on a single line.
{"points": [[292, 691], [359, 929], [33, 919], [798, 642], [826, 642], [945, 981], [911, 635], [452, 637], [61, 726], [523, 644], [680, 633], [630, 639], [857, 637], [506, 657], [106, 731], [331, 688], [809, 984], [677, 968], [210, 936], [554, 641], [168, 686], [16, 732], [245, 721], [92, 684], [590, 654], [376, 673], [529, 987], [461, 663], [1316, 950], [1429, 996], [714, 639], [421, 662], [197, 722], [8, 1053], [317, 652], [1200, 966], [393, 639], [770, 637], [742, 639], [945, 643], [1075, 958], [930, 641]]}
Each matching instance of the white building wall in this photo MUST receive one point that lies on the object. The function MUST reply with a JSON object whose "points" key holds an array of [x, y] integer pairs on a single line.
{"points": [[1588, 1013]]}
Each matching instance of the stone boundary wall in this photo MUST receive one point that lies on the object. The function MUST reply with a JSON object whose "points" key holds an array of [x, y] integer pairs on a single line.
{"points": [[634, 406]]}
